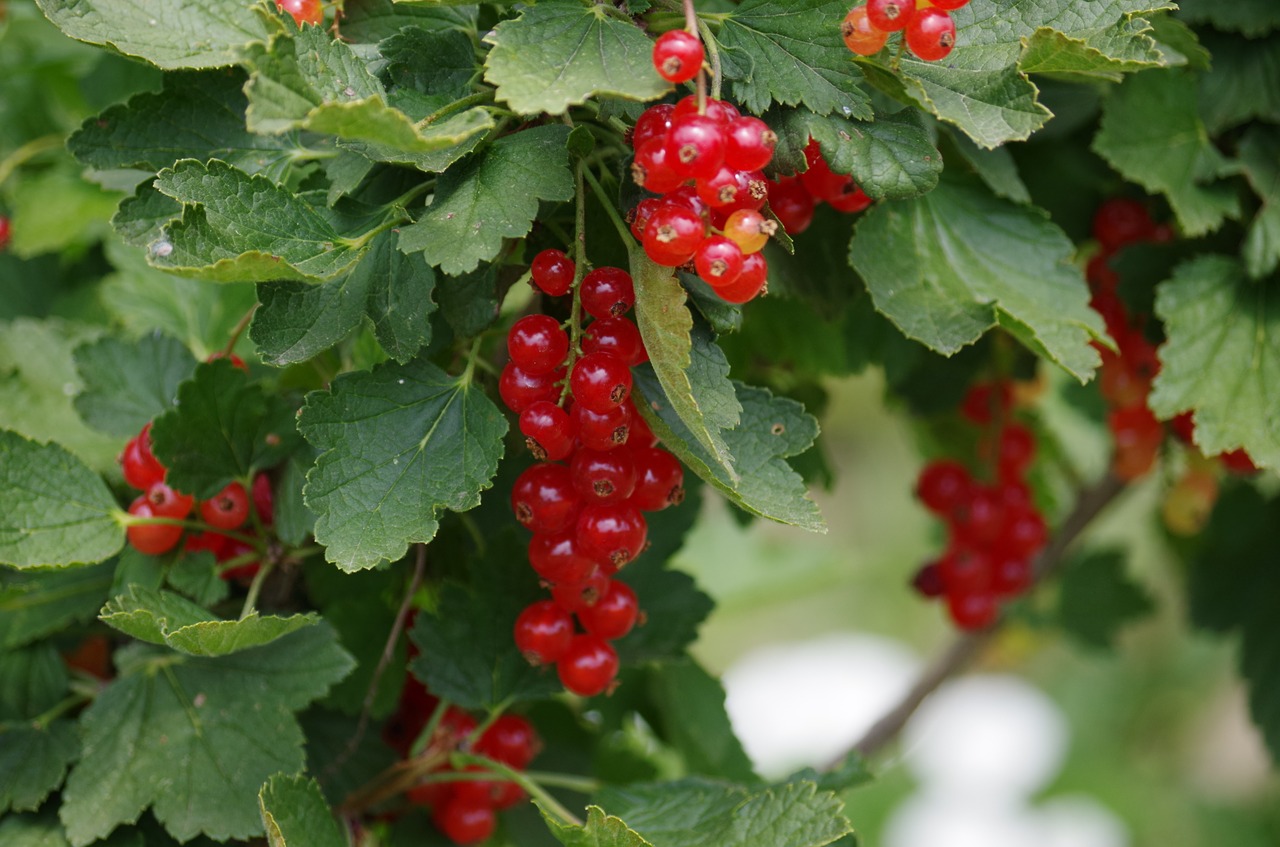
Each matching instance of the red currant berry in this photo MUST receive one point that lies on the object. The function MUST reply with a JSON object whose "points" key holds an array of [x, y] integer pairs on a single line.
{"points": [[140, 466], [964, 569], [695, 146], [520, 390], [654, 123], [606, 430], [972, 612], [978, 519], [213, 542], [464, 820], [553, 272], [511, 740], [851, 200], [859, 35], [985, 400], [750, 144], [263, 501], [588, 667], [1120, 221], [943, 485], [1238, 461], [614, 614], [651, 168], [600, 382], [612, 532], [543, 632], [890, 15], [236, 361], [167, 503], [792, 203], [1023, 533], [931, 34], [1016, 451], [641, 434], [1183, 427], [608, 477], [544, 499], [303, 11], [659, 479], [1010, 575], [576, 596], [556, 557], [719, 261], [749, 229], [720, 111], [152, 539], [607, 292], [673, 235], [549, 431], [228, 509], [618, 336], [1138, 436], [537, 344], [750, 283], [642, 213], [687, 196], [678, 55], [928, 581]]}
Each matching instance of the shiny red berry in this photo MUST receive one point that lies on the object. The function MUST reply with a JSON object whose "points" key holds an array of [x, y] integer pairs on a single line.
{"points": [[139, 465], [520, 390], [654, 123], [152, 539], [228, 509], [659, 479], [543, 632], [943, 485], [612, 532], [549, 431], [600, 382], [511, 740], [464, 820], [1016, 450], [719, 261], [607, 477], [537, 344], [792, 204], [673, 235], [606, 430], [695, 146], [577, 596], [303, 11], [859, 35], [931, 34], [557, 557], [750, 144], [607, 292], [972, 612], [890, 15], [167, 503], [678, 55], [544, 500], [750, 283], [651, 168], [588, 667], [618, 336], [263, 500], [614, 614], [1120, 221], [553, 272]]}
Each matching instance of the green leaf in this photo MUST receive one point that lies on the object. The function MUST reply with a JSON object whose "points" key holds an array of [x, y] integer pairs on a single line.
{"points": [[53, 509], [995, 168], [362, 608], [959, 261], [143, 299], [1249, 17], [1151, 133], [140, 219], [1098, 599], [397, 445], [34, 831], [375, 20], [35, 603], [690, 703], [600, 830], [129, 383], [1232, 92], [1260, 160], [33, 763], [195, 575], [32, 680], [55, 209], [161, 617], [241, 228], [297, 321], [890, 157], [701, 813], [295, 814], [491, 197], [771, 429], [224, 427], [437, 63], [188, 34], [790, 52], [673, 604], [697, 388], [561, 53], [1220, 358], [294, 521], [194, 738], [1232, 589], [197, 116]]}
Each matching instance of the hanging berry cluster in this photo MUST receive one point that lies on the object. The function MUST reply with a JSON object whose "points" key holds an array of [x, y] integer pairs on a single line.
{"points": [[995, 529], [463, 808], [927, 28], [599, 470], [706, 170], [793, 199]]}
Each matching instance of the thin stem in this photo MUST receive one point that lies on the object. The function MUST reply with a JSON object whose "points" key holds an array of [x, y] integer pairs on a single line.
{"points": [[132, 520], [70, 702], [691, 24], [713, 54], [579, 271], [456, 106], [237, 331], [624, 231], [966, 647], [580, 784], [536, 791], [255, 588], [388, 652], [28, 151], [433, 723], [483, 726]]}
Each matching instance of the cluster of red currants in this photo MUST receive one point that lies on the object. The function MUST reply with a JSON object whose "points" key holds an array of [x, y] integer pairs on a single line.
{"points": [[927, 28], [995, 528], [226, 511], [705, 168], [599, 470], [463, 807], [793, 199]]}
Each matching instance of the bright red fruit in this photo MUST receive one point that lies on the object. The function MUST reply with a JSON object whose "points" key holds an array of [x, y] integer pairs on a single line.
{"points": [[464, 820], [5, 232], [511, 740], [695, 146], [750, 283], [557, 557], [543, 498], [659, 479], [139, 465], [859, 34], [152, 539], [548, 430], [588, 667], [673, 235], [167, 503], [749, 144], [654, 123], [303, 11], [537, 344], [520, 390], [607, 292], [1120, 221], [263, 501], [792, 203], [228, 509], [600, 382], [606, 430], [618, 336], [890, 15], [678, 55], [719, 261], [612, 532], [931, 34], [607, 477], [614, 614], [552, 271], [943, 485], [543, 632]]}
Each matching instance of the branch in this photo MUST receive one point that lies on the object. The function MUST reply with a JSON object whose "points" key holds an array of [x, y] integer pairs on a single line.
{"points": [[966, 647]]}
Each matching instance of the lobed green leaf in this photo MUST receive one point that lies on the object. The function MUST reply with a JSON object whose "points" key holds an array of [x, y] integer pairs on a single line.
{"points": [[295, 814], [127, 383]]}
